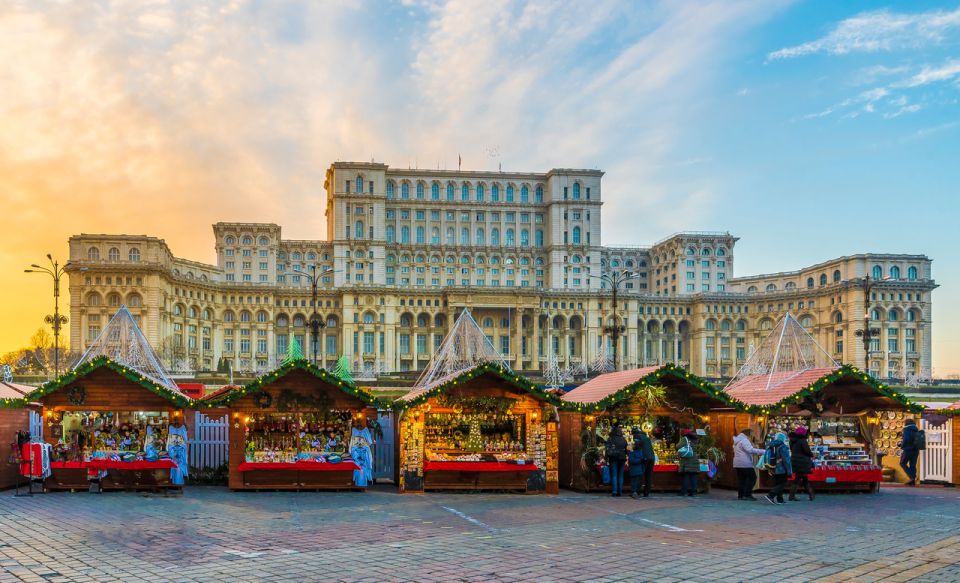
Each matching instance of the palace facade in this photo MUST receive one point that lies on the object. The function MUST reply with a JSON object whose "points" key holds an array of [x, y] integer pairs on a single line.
{"points": [[406, 250]]}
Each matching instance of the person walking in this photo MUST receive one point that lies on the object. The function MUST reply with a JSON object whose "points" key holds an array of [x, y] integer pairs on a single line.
{"points": [[649, 458], [802, 460], [911, 451], [777, 460], [743, 463], [689, 463], [635, 459], [616, 453]]}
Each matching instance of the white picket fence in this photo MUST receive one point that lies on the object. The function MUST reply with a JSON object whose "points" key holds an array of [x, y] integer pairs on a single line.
{"points": [[936, 462], [36, 425], [208, 448]]}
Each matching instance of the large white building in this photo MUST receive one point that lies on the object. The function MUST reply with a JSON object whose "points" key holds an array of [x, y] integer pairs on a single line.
{"points": [[405, 250]]}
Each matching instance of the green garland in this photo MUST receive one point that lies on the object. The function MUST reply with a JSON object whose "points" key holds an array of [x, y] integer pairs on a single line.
{"points": [[175, 397], [258, 384], [491, 368], [655, 378]]}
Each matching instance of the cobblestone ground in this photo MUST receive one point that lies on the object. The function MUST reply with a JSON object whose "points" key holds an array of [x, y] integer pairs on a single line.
{"points": [[211, 534]]}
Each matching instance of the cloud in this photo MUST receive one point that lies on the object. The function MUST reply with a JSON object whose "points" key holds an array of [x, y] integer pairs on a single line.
{"points": [[883, 30], [928, 74]]}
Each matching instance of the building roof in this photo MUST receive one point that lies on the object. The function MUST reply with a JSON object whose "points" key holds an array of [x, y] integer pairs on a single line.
{"points": [[755, 390], [602, 386], [14, 390]]}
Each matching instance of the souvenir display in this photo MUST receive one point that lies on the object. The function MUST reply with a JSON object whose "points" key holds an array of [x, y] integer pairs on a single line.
{"points": [[288, 438], [116, 435]]}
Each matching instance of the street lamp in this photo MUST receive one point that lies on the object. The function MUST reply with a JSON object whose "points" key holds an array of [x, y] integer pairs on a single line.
{"points": [[615, 278], [56, 271], [316, 324], [868, 333]]}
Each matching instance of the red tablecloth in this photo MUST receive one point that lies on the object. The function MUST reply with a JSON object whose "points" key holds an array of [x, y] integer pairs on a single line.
{"points": [[478, 467], [105, 464], [666, 468], [866, 475], [301, 466]]}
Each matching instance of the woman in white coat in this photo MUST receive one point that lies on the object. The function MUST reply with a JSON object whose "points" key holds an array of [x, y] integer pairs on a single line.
{"points": [[744, 463]]}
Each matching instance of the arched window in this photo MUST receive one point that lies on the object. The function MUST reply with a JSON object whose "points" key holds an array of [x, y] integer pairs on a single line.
{"points": [[690, 251], [423, 320], [450, 191], [248, 240], [283, 321], [228, 316], [877, 272], [705, 251], [390, 186], [510, 241], [806, 322], [465, 192], [790, 285], [721, 252], [524, 194], [464, 236], [823, 279], [451, 237], [509, 193], [391, 234], [725, 326], [524, 238], [912, 273], [538, 238], [576, 235], [435, 236], [479, 191], [358, 230], [359, 183], [244, 316], [875, 314], [751, 289], [421, 236], [494, 236], [809, 283], [93, 254], [134, 300], [836, 275], [481, 238], [838, 318], [406, 320], [113, 254], [299, 320], [435, 191], [331, 321], [771, 287], [261, 316], [420, 193], [488, 322], [368, 317], [206, 314], [894, 272], [576, 191], [495, 193], [264, 241], [230, 241], [911, 315], [177, 310], [741, 325], [404, 234], [892, 315], [405, 190], [113, 300], [93, 299], [711, 325], [575, 259]]}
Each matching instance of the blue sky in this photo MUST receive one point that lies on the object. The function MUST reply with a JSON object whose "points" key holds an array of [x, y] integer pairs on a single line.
{"points": [[809, 129]]}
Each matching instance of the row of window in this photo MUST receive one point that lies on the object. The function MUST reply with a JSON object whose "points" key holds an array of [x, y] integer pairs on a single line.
{"points": [[877, 273], [246, 240], [479, 192], [113, 254]]}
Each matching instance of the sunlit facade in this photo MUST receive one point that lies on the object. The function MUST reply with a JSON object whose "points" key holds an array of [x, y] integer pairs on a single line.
{"points": [[405, 250]]}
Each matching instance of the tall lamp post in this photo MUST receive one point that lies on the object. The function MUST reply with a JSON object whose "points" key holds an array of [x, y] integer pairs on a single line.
{"points": [[615, 330], [868, 333], [56, 271], [316, 323]]}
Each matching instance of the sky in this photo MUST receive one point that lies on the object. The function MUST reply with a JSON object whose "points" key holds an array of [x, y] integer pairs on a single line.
{"points": [[811, 130]]}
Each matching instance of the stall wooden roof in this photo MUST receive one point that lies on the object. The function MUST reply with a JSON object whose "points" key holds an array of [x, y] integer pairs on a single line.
{"points": [[848, 386], [611, 388], [421, 394], [227, 395], [14, 390]]}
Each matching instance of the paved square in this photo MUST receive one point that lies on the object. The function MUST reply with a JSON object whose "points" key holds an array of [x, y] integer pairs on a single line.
{"points": [[212, 534]]}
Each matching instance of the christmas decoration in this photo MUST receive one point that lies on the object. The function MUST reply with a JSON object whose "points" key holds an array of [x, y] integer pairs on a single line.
{"points": [[342, 369], [602, 362], [464, 348], [294, 351]]}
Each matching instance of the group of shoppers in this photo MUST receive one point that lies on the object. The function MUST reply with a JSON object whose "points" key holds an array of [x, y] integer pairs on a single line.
{"points": [[638, 457], [783, 457]]}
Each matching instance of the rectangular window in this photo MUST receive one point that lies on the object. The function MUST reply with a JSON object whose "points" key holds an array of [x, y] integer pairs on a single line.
{"points": [[892, 344], [368, 342], [261, 345], [244, 346], [421, 344], [331, 349], [404, 344], [504, 345]]}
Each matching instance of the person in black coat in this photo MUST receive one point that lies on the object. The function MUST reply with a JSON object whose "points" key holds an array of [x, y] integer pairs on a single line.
{"points": [[802, 459], [616, 453], [908, 460], [642, 442]]}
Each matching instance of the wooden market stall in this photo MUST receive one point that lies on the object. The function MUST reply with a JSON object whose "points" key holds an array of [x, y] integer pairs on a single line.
{"points": [[110, 425], [853, 421], [484, 428], [14, 418], [660, 400], [298, 428]]}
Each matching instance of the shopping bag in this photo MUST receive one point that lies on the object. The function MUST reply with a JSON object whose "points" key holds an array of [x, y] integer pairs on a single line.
{"points": [[605, 474]]}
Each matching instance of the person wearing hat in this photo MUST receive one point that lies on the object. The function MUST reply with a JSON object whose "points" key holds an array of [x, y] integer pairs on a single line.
{"points": [[802, 460], [777, 460], [689, 463]]}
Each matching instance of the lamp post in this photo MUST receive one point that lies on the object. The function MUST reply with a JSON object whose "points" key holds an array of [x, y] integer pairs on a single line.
{"points": [[55, 271], [615, 278], [316, 324], [868, 333]]}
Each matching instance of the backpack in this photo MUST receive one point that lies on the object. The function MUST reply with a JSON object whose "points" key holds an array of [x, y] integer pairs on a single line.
{"points": [[771, 458], [686, 450], [920, 440], [614, 451]]}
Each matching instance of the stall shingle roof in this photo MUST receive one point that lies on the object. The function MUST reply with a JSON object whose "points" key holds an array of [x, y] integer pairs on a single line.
{"points": [[14, 390], [771, 388], [607, 384]]}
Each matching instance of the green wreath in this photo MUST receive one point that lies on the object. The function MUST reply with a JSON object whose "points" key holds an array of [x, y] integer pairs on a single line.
{"points": [[77, 395], [263, 400]]}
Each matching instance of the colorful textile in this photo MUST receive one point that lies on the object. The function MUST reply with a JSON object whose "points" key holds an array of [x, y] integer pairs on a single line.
{"points": [[360, 440], [478, 467], [177, 448], [301, 466]]}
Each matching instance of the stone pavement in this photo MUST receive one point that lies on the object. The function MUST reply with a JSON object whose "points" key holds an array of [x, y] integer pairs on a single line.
{"points": [[212, 534]]}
